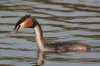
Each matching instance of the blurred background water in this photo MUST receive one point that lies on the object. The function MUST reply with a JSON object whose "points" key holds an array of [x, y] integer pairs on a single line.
{"points": [[61, 20]]}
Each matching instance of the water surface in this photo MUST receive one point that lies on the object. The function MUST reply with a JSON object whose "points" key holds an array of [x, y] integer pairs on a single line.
{"points": [[61, 20]]}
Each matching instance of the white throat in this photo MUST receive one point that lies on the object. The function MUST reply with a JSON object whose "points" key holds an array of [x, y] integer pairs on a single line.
{"points": [[39, 37]]}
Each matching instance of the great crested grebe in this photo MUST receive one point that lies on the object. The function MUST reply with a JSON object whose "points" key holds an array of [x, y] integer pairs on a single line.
{"points": [[28, 22]]}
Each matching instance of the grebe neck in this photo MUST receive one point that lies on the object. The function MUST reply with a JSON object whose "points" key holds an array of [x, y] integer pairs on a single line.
{"points": [[39, 37]]}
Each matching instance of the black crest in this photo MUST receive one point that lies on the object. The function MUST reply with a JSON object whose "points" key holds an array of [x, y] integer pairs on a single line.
{"points": [[21, 20]]}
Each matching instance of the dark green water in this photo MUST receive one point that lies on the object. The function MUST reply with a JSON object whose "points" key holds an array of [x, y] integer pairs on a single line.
{"points": [[61, 20]]}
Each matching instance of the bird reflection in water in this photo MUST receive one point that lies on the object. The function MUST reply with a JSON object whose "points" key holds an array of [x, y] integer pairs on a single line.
{"points": [[40, 58]]}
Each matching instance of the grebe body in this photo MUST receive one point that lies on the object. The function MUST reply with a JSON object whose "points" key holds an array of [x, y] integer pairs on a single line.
{"points": [[28, 22]]}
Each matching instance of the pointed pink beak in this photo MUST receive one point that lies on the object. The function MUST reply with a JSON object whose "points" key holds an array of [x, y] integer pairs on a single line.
{"points": [[15, 30]]}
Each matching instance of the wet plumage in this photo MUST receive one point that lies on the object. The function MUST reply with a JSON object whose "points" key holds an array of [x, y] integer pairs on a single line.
{"points": [[68, 46]]}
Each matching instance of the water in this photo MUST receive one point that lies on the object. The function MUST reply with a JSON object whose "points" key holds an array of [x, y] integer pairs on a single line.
{"points": [[61, 20]]}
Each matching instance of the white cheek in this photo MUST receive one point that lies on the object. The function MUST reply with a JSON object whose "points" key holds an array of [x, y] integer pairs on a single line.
{"points": [[22, 26]]}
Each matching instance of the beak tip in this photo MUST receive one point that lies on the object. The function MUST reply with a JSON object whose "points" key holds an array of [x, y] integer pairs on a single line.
{"points": [[14, 31], [11, 33]]}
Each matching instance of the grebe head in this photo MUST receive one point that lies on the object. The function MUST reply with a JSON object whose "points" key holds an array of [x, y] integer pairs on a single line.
{"points": [[25, 22]]}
